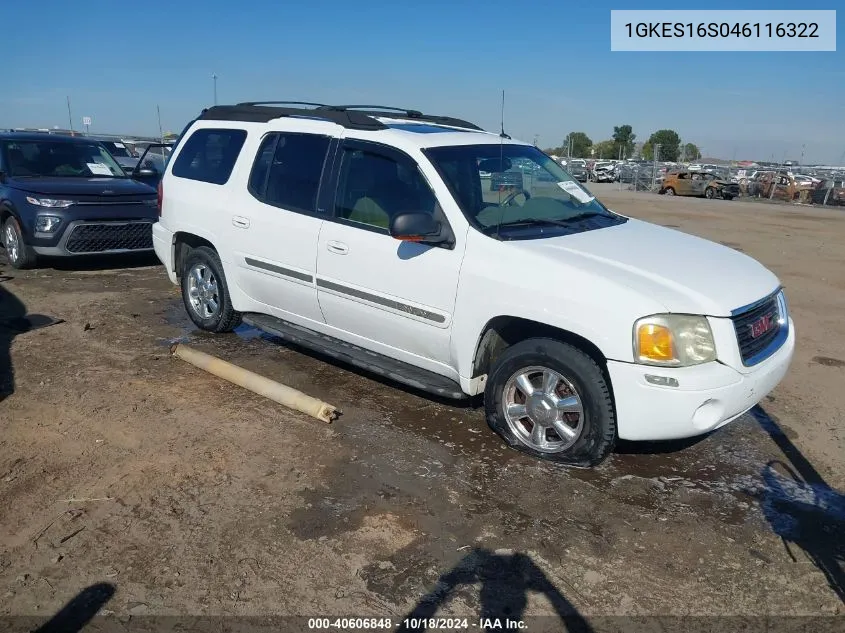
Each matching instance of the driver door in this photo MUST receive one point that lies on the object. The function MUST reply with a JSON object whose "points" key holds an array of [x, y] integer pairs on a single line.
{"points": [[150, 167]]}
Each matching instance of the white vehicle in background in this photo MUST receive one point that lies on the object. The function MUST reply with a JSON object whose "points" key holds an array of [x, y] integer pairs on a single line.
{"points": [[603, 171], [367, 235], [806, 180]]}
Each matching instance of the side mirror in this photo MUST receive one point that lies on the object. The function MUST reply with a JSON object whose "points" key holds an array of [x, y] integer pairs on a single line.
{"points": [[416, 227]]}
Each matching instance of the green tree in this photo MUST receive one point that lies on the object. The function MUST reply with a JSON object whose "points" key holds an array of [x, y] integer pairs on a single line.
{"points": [[670, 145], [580, 144], [691, 152], [605, 149], [624, 137]]}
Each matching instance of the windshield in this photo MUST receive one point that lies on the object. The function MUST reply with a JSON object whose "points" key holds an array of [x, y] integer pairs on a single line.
{"points": [[60, 159], [117, 149], [512, 188]]}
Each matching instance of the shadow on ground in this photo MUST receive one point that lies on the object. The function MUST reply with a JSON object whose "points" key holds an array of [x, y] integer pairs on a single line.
{"points": [[77, 613], [100, 262], [505, 580], [12, 310], [802, 508]]}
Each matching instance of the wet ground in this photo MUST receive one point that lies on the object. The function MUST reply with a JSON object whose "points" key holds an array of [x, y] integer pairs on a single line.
{"points": [[187, 495]]}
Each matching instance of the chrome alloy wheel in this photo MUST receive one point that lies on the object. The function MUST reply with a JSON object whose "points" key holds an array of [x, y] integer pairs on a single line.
{"points": [[543, 409], [12, 244], [202, 291]]}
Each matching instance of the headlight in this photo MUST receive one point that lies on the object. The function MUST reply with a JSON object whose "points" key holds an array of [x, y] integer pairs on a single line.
{"points": [[47, 223], [673, 340], [52, 203]]}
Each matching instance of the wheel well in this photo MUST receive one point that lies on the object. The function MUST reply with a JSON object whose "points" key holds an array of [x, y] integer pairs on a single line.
{"points": [[183, 244], [5, 213], [504, 331]]}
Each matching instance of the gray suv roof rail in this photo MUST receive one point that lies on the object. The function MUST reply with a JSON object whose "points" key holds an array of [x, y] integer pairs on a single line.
{"points": [[349, 116]]}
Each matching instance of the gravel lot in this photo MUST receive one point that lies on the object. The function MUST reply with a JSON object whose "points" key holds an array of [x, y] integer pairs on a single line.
{"points": [[188, 495]]}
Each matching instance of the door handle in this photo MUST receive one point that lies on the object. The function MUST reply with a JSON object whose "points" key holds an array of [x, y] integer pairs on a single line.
{"points": [[240, 221], [339, 248]]}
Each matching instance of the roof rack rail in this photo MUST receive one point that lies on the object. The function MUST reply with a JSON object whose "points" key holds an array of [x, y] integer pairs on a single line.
{"points": [[266, 103], [405, 111], [359, 117], [385, 111]]}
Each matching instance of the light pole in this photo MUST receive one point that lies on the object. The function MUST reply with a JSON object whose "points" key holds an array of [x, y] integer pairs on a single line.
{"points": [[214, 77]]}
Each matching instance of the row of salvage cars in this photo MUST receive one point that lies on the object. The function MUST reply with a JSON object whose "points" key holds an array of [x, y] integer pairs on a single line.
{"points": [[780, 185]]}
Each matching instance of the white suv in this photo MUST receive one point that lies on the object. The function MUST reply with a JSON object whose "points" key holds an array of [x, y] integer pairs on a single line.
{"points": [[369, 234]]}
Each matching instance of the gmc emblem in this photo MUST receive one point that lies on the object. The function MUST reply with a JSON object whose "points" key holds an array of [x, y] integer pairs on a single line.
{"points": [[761, 326]]}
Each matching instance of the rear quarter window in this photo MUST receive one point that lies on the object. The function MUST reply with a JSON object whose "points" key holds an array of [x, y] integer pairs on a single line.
{"points": [[209, 155]]}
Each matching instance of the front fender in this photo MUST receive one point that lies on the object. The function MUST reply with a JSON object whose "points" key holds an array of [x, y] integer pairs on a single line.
{"points": [[498, 280]]}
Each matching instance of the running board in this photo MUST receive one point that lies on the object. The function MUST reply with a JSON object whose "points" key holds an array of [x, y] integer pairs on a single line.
{"points": [[372, 362]]}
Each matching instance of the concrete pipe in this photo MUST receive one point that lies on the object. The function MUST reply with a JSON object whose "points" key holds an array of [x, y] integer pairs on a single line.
{"points": [[271, 389]]}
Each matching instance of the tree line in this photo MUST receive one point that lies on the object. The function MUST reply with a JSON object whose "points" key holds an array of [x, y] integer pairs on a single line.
{"points": [[623, 145]]}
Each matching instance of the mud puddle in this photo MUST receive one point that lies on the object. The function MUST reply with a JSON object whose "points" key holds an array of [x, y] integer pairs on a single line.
{"points": [[718, 475]]}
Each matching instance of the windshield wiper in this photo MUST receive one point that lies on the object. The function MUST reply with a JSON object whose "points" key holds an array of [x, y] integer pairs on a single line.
{"points": [[565, 222], [584, 215]]}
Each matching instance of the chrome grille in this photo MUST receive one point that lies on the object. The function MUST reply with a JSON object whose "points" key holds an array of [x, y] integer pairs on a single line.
{"points": [[103, 237], [753, 348]]}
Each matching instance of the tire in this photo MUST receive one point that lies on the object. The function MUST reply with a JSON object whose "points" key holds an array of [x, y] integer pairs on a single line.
{"points": [[709, 193], [203, 287], [18, 252], [728, 196], [669, 191], [592, 431]]}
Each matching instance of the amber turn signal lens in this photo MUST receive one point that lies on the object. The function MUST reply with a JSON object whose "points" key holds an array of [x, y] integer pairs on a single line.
{"points": [[654, 343]]}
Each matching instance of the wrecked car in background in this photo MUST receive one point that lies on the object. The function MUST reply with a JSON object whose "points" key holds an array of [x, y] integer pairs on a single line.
{"points": [[783, 186], [829, 192], [603, 172], [687, 183]]}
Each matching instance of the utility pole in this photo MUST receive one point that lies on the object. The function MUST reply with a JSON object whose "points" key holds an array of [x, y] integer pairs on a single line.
{"points": [[160, 133], [69, 117], [802, 153], [654, 164], [536, 136], [214, 77]]}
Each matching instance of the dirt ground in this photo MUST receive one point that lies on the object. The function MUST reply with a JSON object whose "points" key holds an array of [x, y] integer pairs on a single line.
{"points": [[183, 494]]}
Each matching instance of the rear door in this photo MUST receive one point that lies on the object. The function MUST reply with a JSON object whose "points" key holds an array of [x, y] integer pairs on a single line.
{"points": [[276, 222]]}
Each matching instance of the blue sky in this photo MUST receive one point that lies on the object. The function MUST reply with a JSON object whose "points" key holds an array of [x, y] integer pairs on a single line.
{"points": [[118, 60]]}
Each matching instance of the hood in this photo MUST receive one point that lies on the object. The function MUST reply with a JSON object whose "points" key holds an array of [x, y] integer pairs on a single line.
{"points": [[685, 273], [82, 186]]}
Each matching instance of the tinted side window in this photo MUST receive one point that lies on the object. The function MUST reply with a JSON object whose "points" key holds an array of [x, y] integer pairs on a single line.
{"points": [[261, 166], [292, 172], [209, 155], [374, 187]]}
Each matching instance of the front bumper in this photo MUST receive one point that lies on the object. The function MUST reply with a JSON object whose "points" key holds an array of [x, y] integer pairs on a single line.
{"points": [[96, 237], [707, 396]]}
